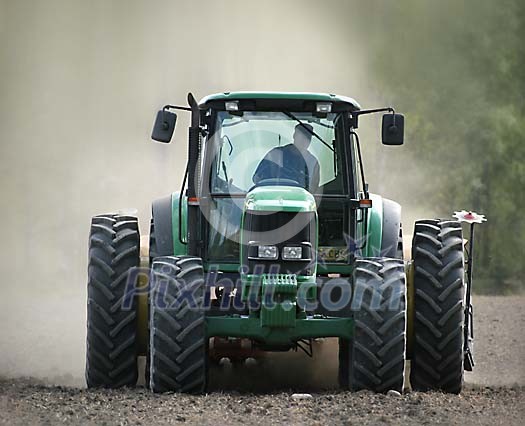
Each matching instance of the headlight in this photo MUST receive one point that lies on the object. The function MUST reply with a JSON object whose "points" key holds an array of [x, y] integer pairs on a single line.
{"points": [[267, 252], [290, 253]]}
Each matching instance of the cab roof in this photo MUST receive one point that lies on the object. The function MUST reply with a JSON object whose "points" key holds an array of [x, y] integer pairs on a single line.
{"points": [[279, 99]]}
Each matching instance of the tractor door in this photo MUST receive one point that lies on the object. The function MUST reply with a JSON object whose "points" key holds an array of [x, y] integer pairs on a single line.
{"points": [[336, 217]]}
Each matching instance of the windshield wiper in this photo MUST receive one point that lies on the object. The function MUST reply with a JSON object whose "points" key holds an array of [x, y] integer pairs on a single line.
{"points": [[293, 117], [234, 123]]}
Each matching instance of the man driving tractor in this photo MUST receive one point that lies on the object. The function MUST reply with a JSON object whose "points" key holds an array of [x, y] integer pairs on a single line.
{"points": [[291, 162]]}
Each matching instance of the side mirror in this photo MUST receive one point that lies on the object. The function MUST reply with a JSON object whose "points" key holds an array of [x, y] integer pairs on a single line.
{"points": [[393, 129], [164, 126]]}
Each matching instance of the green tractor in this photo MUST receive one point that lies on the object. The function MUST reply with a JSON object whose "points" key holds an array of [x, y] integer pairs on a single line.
{"points": [[272, 242]]}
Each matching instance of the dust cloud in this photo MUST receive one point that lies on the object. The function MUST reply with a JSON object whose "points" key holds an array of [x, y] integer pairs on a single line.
{"points": [[81, 82]]}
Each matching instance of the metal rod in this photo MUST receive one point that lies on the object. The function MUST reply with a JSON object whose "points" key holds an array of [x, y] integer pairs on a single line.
{"points": [[371, 111], [361, 169], [469, 277], [193, 230], [176, 107], [469, 312], [471, 256]]}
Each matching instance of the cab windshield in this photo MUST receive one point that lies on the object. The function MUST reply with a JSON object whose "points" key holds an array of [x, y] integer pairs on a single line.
{"points": [[277, 148]]}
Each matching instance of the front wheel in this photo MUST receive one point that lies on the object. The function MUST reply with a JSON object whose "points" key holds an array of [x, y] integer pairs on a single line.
{"points": [[178, 345], [375, 358]]}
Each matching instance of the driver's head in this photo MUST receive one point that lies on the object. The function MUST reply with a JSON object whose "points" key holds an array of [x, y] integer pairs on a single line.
{"points": [[302, 136]]}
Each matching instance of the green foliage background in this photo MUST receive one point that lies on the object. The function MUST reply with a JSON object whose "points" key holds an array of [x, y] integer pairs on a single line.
{"points": [[456, 69]]}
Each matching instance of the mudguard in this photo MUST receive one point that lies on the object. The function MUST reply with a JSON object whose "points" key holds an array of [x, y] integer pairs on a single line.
{"points": [[166, 220], [162, 220], [391, 225], [384, 221]]}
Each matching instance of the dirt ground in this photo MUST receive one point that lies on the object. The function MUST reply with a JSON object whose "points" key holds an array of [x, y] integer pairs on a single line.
{"points": [[262, 393]]}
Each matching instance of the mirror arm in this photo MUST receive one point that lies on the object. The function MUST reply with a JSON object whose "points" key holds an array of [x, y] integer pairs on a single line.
{"points": [[354, 115], [167, 107], [372, 111]]}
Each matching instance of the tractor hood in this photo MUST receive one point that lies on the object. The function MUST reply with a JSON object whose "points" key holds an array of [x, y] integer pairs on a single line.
{"points": [[280, 199]]}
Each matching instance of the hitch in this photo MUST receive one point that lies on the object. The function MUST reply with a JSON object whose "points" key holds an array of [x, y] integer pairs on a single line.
{"points": [[235, 349]]}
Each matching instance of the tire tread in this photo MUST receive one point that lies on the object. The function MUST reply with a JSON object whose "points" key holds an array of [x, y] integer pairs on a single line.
{"points": [[437, 360], [111, 355]]}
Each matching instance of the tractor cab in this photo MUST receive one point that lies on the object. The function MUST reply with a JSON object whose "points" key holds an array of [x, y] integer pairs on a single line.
{"points": [[255, 145]]}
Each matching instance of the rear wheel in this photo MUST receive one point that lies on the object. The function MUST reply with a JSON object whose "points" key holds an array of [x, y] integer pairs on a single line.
{"points": [[375, 358], [437, 359], [178, 344], [111, 358]]}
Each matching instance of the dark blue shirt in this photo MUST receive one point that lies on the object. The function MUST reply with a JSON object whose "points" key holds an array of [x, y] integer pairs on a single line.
{"points": [[288, 162]]}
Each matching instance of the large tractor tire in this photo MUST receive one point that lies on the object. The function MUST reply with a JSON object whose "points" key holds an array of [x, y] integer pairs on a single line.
{"points": [[178, 344], [114, 245], [375, 358], [437, 358]]}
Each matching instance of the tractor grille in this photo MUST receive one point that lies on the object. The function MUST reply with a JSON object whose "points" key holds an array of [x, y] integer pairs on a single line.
{"points": [[279, 229]]}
